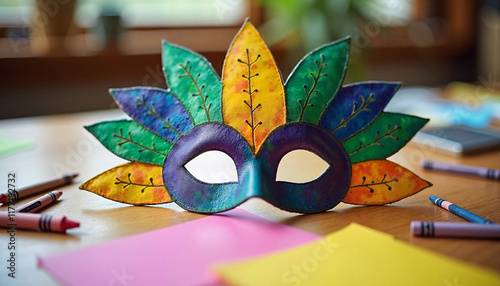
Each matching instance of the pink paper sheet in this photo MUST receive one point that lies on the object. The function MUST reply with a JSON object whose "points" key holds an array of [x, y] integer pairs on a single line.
{"points": [[177, 255]]}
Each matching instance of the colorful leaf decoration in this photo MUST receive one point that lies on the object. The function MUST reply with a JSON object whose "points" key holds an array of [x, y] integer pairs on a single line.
{"points": [[382, 182], [355, 106], [384, 137], [194, 81], [131, 183], [315, 80], [312, 111], [131, 141], [156, 109], [253, 98]]}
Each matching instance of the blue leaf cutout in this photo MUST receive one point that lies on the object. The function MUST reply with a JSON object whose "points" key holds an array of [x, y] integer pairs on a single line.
{"points": [[355, 106], [156, 109]]}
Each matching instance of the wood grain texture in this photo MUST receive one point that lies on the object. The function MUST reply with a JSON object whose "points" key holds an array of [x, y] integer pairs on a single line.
{"points": [[64, 146]]}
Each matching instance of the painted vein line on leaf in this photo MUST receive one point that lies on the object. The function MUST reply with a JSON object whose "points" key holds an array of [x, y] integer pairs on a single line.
{"points": [[250, 93], [152, 112], [199, 89], [388, 134], [130, 183], [129, 139], [382, 182], [313, 90], [354, 113]]}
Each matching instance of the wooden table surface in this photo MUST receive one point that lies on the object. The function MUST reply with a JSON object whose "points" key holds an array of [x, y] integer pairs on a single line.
{"points": [[62, 145]]}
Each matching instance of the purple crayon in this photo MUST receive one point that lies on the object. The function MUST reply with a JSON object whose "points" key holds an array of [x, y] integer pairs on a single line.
{"points": [[454, 229], [492, 174]]}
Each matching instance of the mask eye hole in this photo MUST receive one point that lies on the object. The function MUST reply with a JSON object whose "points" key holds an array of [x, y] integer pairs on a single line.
{"points": [[213, 167], [300, 166]]}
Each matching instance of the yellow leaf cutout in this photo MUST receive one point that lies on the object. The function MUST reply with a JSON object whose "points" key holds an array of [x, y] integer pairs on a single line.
{"points": [[381, 182], [253, 96], [131, 183]]}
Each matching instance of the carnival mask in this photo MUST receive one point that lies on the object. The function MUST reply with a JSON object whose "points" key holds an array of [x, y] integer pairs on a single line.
{"points": [[254, 121]]}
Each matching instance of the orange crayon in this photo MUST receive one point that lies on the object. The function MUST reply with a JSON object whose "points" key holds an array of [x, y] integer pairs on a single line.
{"points": [[38, 204], [31, 190], [42, 222]]}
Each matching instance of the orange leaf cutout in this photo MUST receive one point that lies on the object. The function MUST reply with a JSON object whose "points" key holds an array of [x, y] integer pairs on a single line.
{"points": [[131, 183], [253, 96], [381, 182]]}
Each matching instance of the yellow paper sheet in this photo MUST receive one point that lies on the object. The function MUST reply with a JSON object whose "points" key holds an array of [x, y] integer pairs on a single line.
{"points": [[356, 255]]}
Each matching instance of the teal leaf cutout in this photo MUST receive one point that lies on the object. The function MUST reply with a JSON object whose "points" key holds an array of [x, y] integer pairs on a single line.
{"points": [[315, 80], [129, 140], [194, 82], [384, 137]]}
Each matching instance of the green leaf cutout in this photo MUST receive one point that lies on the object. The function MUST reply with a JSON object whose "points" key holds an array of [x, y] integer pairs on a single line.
{"points": [[193, 81], [384, 137], [315, 80], [131, 141]]}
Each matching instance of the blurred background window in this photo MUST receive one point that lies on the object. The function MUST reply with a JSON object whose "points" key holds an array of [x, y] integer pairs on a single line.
{"points": [[160, 13], [14, 13], [63, 55], [137, 13]]}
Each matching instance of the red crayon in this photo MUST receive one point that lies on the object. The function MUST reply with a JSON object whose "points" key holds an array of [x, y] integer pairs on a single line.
{"points": [[40, 203], [24, 192], [42, 222]]}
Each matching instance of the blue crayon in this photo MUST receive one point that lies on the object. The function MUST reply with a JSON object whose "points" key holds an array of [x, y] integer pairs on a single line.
{"points": [[465, 214]]}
